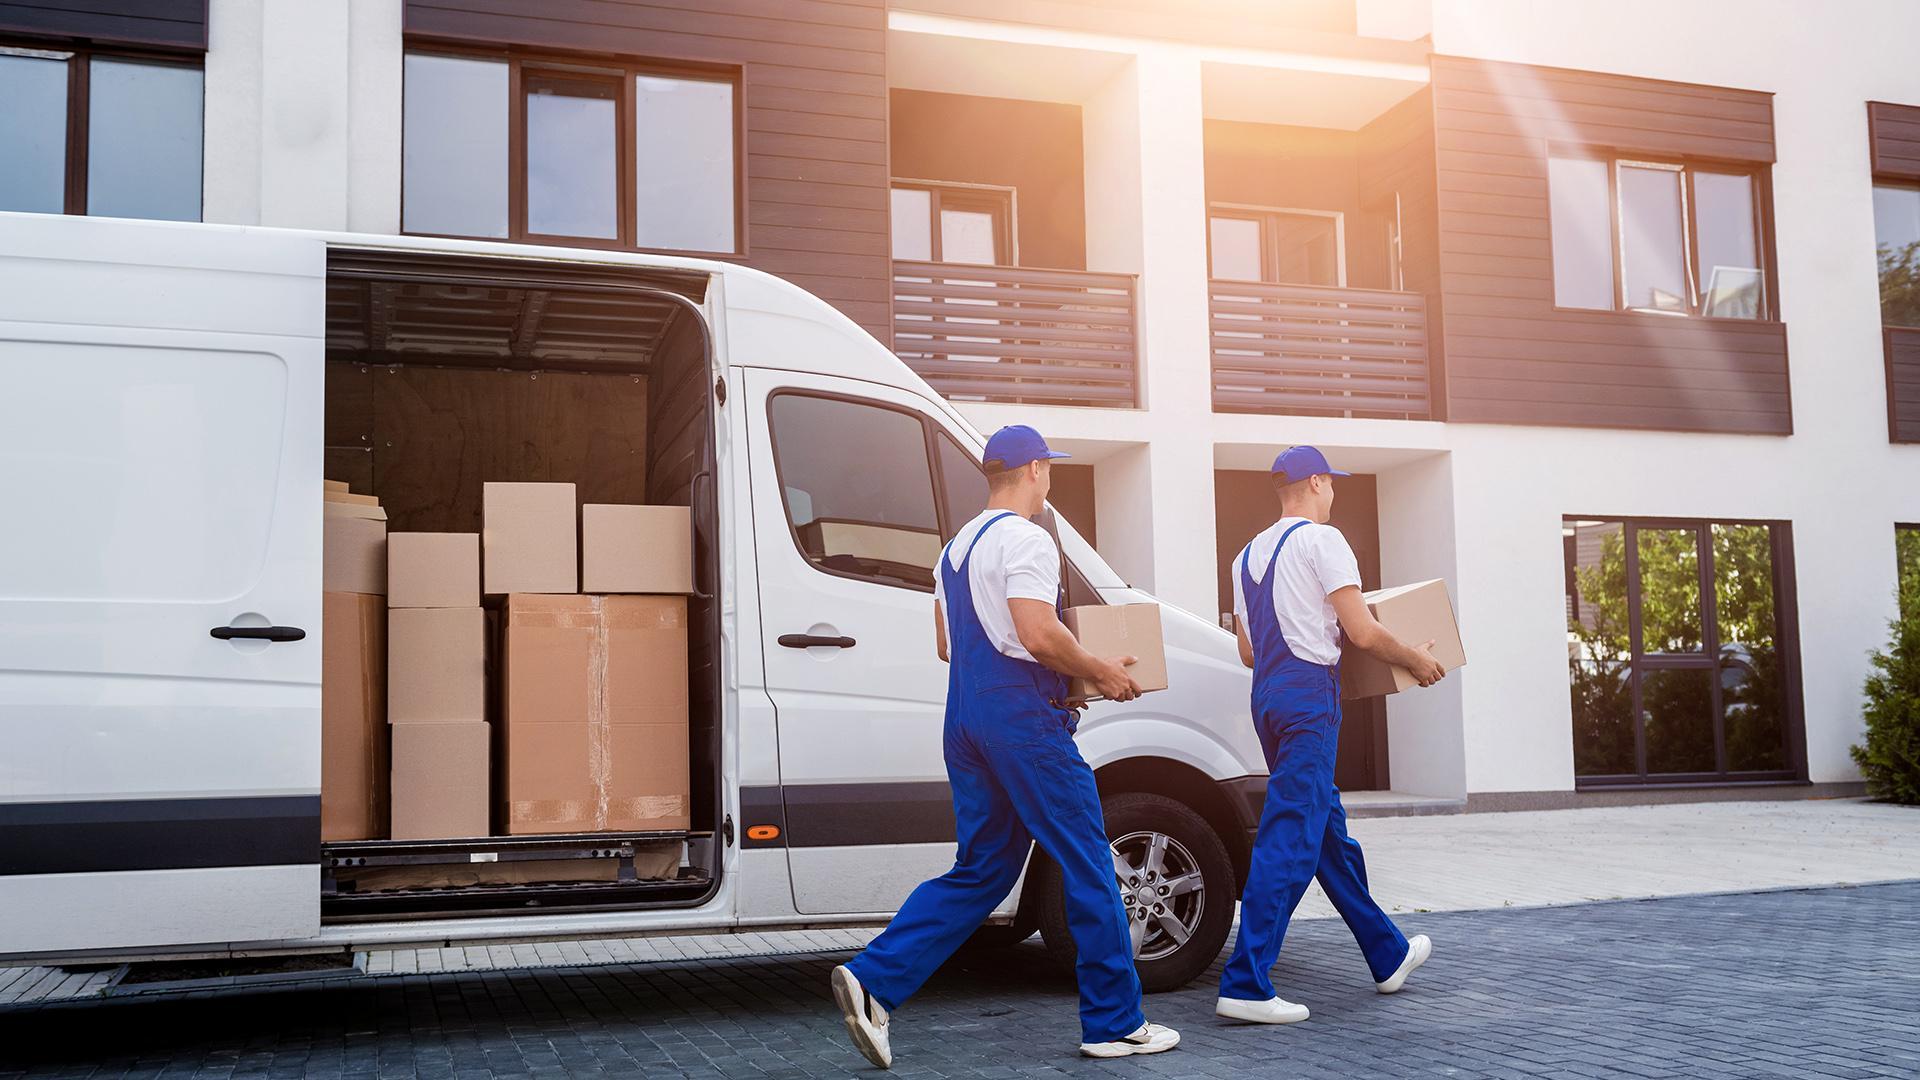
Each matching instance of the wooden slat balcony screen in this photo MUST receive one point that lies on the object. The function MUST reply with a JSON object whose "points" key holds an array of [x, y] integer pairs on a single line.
{"points": [[1903, 383], [1317, 351], [1013, 334]]}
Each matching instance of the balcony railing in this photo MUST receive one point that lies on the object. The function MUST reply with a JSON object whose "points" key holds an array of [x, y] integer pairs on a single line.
{"points": [[1316, 351], [1903, 383], [1012, 334]]}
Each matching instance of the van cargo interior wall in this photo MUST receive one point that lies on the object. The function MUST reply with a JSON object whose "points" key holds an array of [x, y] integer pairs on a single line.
{"points": [[447, 371], [681, 473]]}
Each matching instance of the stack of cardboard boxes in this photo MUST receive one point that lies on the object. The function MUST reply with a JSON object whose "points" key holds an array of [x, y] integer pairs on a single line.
{"points": [[594, 701], [590, 732], [437, 686], [353, 682]]}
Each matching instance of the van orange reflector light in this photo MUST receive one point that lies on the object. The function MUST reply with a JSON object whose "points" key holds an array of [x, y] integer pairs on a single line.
{"points": [[763, 832]]}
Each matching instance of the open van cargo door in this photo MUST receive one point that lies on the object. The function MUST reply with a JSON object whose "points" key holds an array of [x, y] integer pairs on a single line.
{"points": [[160, 469]]}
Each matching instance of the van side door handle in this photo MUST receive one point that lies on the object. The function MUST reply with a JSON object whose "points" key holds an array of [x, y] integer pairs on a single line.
{"points": [[263, 633], [812, 641]]}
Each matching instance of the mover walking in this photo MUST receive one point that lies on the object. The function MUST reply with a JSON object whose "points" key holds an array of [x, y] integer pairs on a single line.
{"points": [[1016, 775], [1296, 587]]}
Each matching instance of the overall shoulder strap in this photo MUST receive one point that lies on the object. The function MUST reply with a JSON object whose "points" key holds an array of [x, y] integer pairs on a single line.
{"points": [[1275, 559]]}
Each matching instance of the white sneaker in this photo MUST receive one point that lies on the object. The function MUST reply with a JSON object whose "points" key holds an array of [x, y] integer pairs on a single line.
{"points": [[1150, 1039], [1272, 1011], [1419, 947], [866, 1019]]}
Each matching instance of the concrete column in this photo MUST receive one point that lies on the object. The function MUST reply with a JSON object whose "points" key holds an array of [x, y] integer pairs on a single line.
{"points": [[374, 60], [1146, 214], [1426, 729], [231, 188], [303, 108]]}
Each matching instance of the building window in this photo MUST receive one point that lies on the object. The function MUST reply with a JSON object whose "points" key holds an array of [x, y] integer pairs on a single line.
{"points": [[1677, 658], [953, 223], [1896, 229], [85, 131], [1656, 236], [1906, 547], [1285, 247], [522, 148]]}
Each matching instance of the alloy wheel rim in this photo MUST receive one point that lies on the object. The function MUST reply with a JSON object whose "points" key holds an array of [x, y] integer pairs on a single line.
{"points": [[1162, 892]]}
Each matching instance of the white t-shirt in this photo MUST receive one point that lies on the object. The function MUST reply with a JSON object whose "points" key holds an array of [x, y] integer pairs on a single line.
{"points": [[1015, 560], [1315, 563]]}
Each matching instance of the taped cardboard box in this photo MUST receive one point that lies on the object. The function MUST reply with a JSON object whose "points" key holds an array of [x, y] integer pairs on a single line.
{"points": [[433, 570], [529, 538], [335, 485], [436, 664], [1413, 613], [636, 549], [353, 717], [335, 495], [353, 551], [596, 714], [1120, 630], [440, 779]]}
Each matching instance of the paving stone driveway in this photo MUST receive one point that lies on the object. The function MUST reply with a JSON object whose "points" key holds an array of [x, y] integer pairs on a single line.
{"points": [[1808, 983]]}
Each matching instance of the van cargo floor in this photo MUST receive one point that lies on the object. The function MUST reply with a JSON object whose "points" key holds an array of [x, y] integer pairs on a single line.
{"points": [[380, 879]]}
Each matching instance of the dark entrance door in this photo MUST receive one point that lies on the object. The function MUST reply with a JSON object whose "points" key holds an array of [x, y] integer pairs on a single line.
{"points": [[1244, 504]]}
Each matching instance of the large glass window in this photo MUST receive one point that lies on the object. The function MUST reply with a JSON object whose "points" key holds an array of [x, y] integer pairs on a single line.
{"points": [[963, 487], [85, 132], [1896, 227], [952, 223], [1906, 539], [1656, 236], [584, 152], [1287, 247], [1675, 650], [858, 487]]}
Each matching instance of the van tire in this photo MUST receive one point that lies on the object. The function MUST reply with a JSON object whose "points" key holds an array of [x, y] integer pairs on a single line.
{"points": [[1195, 846]]}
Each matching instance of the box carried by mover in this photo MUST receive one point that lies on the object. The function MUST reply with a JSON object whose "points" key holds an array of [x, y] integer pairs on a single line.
{"points": [[596, 714], [529, 538], [1414, 613], [353, 717], [440, 779], [636, 549], [1120, 630]]}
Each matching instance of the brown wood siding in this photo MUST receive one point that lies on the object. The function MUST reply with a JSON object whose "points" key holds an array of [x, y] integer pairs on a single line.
{"points": [[1510, 355], [1895, 134], [1030, 146], [815, 100], [1903, 383], [169, 24], [1397, 157]]}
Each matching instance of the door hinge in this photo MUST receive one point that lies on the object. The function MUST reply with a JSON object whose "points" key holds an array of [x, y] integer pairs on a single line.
{"points": [[720, 389], [726, 830]]}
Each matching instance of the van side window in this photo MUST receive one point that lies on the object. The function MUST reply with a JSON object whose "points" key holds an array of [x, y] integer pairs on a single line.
{"points": [[858, 488], [963, 487]]}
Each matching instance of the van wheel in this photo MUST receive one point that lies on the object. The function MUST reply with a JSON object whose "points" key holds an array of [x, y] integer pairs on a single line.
{"points": [[1176, 883]]}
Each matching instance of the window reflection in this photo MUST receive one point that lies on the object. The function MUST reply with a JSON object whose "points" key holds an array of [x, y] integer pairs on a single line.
{"points": [[143, 140], [1896, 226], [571, 175], [858, 488], [33, 134], [1669, 590], [1676, 707], [685, 175], [1749, 661], [454, 146], [1653, 242], [1582, 224], [1731, 285]]}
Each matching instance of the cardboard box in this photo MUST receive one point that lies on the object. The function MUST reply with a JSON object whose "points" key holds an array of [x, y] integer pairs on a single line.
{"points": [[636, 549], [356, 510], [336, 496], [440, 779], [433, 570], [596, 714], [335, 485], [1120, 630], [529, 538], [1414, 613], [353, 717], [436, 664], [353, 553]]}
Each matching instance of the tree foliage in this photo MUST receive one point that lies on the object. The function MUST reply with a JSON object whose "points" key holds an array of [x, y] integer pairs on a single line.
{"points": [[1900, 285], [1890, 758]]}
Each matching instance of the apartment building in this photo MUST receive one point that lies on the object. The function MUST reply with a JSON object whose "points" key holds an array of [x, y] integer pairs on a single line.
{"points": [[1613, 308]]}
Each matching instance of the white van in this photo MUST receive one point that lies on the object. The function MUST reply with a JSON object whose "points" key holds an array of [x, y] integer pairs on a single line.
{"points": [[172, 399]]}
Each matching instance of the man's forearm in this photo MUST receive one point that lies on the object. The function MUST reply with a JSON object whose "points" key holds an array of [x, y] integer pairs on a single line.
{"points": [[1058, 651], [1391, 649]]}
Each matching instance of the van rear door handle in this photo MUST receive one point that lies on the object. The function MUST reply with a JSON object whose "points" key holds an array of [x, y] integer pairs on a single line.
{"points": [[812, 641], [263, 633]]}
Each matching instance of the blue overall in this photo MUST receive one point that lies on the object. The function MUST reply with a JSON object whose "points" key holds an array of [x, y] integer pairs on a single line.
{"points": [[1017, 777], [1303, 829]]}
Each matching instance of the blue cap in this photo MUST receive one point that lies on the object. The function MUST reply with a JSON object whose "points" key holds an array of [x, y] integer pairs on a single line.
{"points": [[1015, 445], [1296, 463]]}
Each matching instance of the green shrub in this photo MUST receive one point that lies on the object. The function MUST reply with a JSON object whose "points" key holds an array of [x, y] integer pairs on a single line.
{"points": [[1890, 760]]}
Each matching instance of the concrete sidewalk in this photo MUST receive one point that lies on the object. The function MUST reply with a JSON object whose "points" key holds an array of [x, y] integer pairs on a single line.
{"points": [[1416, 864]]}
